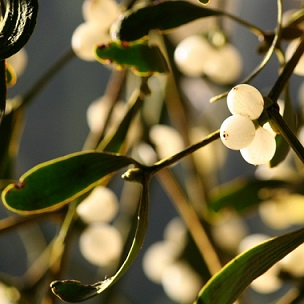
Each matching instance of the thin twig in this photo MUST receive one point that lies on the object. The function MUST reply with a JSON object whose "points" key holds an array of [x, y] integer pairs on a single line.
{"points": [[191, 220], [38, 86]]}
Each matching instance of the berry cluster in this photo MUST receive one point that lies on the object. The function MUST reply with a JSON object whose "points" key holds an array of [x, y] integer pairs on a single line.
{"points": [[195, 57], [100, 243], [239, 132], [99, 16]]}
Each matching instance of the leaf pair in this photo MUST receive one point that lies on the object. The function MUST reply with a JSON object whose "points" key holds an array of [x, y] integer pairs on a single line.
{"points": [[130, 49]]}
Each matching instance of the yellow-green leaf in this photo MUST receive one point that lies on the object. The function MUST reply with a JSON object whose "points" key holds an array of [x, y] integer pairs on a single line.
{"points": [[160, 15], [226, 286], [75, 291], [141, 58], [54, 183]]}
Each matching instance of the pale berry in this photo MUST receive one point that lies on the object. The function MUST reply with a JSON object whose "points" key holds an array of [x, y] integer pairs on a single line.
{"points": [[224, 65], [86, 37], [101, 244], [245, 99], [237, 132], [102, 11], [181, 283], [158, 257], [18, 61], [191, 55], [262, 148], [101, 205]]}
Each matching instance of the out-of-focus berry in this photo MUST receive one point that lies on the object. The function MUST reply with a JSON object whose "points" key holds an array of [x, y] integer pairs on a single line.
{"points": [[101, 205], [101, 244], [191, 55]]}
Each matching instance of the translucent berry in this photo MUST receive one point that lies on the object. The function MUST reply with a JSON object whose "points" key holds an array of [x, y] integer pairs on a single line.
{"points": [[262, 148], [245, 99], [237, 132], [191, 55]]}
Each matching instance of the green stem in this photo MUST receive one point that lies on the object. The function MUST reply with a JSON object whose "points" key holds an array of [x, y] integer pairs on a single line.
{"points": [[191, 220], [284, 129], [173, 159], [253, 28], [266, 58], [275, 93], [282, 80]]}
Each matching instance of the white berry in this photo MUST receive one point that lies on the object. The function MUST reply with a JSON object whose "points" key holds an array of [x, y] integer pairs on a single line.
{"points": [[191, 55], [101, 205], [245, 99], [237, 132], [18, 61], [86, 37], [102, 11], [101, 244], [262, 148], [224, 65]]}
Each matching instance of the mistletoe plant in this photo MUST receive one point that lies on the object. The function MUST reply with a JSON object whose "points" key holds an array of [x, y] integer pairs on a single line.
{"points": [[135, 39]]}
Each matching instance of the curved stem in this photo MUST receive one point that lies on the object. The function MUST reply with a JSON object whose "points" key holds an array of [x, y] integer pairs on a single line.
{"points": [[253, 28], [266, 58], [282, 80]]}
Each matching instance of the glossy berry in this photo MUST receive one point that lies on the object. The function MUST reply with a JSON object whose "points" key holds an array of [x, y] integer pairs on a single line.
{"points": [[262, 148], [237, 132], [246, 100]]}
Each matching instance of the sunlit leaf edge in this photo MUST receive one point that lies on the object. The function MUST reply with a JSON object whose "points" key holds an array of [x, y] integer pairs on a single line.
{"points": [[227, 285], [40, 167], [97, 288]]}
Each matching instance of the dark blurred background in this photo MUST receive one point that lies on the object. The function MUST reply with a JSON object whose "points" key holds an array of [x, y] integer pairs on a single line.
{"points": [[56, 120]]}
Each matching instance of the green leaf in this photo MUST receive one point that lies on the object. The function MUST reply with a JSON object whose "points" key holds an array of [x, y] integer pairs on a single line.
{"points": [[75, 291], [241, 195], [204, 2], [52, 184], [141, 58], [17, 25], [160, 15], [226, 286]]}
